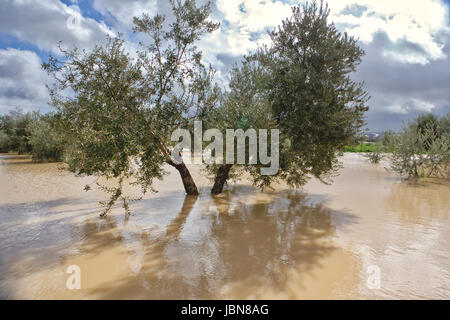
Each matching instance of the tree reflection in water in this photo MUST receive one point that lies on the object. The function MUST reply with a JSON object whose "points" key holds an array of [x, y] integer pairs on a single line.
{"points": [[232, 245]]}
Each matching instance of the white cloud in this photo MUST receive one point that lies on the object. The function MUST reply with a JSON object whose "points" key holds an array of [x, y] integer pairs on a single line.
{"points": [[124, 11], [244, 25], [22, 81], [411, 57], [409, 106], [228, 41], [420, 22], [43, 23], [423, 23], [254, 15]]}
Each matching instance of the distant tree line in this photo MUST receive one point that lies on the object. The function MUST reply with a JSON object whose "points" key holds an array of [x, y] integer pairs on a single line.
{"points": [[31, 133]]}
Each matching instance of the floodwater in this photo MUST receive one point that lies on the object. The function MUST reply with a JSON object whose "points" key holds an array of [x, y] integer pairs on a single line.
{"points": [[368, 235]]}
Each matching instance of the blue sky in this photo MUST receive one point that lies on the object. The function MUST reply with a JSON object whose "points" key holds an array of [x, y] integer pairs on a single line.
{"points": [[406, 69]]}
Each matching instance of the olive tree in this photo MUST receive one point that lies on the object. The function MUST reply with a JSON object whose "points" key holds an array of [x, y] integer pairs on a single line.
{"points": [[180, 87], [310, 95], [46, 144], [4, 141], [429, 124], [244, 106], [14, 131], [421, 149], [117, 112]]}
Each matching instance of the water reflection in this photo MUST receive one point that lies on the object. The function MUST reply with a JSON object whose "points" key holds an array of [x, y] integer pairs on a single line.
{"points": [[420, 201], [415, 252], [226, 246], [241, 244]]}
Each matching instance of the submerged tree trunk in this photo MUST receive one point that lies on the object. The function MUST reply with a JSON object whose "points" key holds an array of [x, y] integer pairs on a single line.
{"points": [[221, 178], [188, 182]]}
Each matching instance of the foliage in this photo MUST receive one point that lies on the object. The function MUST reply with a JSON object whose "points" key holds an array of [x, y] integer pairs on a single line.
{"points": [[376, 155], [104, 120], [301, 85], [363, 147], [179, 87], [31, 133], [317, 106], [46, 144], [4, 141], [244, 106], [14, 126], [386, 139], [121, 113], [419, 152]]}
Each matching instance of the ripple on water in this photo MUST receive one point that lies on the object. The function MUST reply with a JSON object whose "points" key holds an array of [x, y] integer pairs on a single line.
{"points": [[288, 244]]}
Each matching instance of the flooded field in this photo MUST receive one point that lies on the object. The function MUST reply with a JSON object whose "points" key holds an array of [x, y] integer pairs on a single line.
{"points": [[368, 235]]}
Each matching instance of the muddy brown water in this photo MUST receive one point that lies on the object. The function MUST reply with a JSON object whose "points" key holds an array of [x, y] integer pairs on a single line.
{"points": [[332, 242]]}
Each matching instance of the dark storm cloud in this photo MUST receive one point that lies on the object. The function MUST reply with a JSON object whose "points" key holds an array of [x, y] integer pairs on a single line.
{"points": [[401, 91], [23, 93]]}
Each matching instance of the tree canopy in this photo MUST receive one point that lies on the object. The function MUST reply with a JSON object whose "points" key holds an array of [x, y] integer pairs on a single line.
{"points": [[303, 78], [117, 112]]}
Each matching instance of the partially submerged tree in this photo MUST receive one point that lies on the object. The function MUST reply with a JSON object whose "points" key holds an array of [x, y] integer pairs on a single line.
{"points": [[316, 104], [103, 120], [312, 100], [119, 116], [422, 149], [243, 107], [180, 87], [429, 124]]}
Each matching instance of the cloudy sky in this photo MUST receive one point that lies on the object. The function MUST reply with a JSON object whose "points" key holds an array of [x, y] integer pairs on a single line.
{"points": [[407, 42]]}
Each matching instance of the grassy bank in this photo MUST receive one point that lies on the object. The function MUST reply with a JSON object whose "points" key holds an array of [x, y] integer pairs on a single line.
{"points": [[364, 147]]}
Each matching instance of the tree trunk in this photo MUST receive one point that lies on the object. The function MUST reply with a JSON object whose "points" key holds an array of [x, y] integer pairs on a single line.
{"points": [[174, 229], [221, 178], [188, 182]]}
